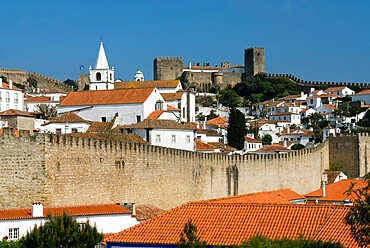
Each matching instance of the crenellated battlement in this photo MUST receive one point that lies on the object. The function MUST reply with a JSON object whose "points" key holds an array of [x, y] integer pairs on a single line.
{"points": [[168, 58]]}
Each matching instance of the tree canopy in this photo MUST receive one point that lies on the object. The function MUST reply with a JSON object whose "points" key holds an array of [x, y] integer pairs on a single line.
{"points": [[62, 231], [236, 129], [189, 239]]}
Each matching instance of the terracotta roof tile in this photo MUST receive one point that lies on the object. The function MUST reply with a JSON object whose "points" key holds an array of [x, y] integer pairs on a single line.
{"points": [[335, 89], [270, 103], [286, 113], [146, 84], [332, 175], [364, 92], [324, 96], [25, 213], [155, 114], [336, 191], [98, 127], [160, 124], [228, 224], [273, 148], [171, 96], [69, 117], [217, 120], [122, 137], [246, 138], [169, 107], [300, 132], [209, 132], [145, 212], [275, 196], [38, 99], [202, 146], [6, 86], [222, 147], [99, 97], [330, 106], [291, 97], [15, 112]]}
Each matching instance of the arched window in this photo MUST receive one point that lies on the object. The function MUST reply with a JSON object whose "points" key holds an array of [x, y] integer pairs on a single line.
{"points": [[159, 105], [110, 77], [98, 76]]}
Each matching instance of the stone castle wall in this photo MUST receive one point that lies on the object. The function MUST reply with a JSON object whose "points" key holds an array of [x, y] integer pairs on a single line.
{"points": [[167, 68], [203, 81], [17, 76], [65, 170]]}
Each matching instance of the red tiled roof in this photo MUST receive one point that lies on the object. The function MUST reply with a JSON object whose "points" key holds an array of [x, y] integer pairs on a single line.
{"points": [[25, 213], [122, 137], [67, 117], [336, 191], [291, 97], [202, 146], [315, 91], [169, 107], [364, 92], [335, 89], [304, 110], [209, 132], [144, 212], [171, 96], [330, 106], [146, 84], [155, 114], [6, 86], [48, 91], [217, 120], [286, 113], [300, 132], [270, 103], [246, 138], [160, 124], [99, 97], [15, 112], [99, 127], [275, 196], [38, 99], [332, 175], [222, 147], [324, 95], [272, 148], [228, 224]]}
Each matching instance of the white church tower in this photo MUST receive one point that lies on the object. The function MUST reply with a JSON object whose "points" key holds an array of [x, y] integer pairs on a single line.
{"points": [[101, 77], [139, 76]]}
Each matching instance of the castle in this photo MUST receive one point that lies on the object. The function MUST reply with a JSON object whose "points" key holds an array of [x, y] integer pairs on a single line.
{"points": [[72, 170]]}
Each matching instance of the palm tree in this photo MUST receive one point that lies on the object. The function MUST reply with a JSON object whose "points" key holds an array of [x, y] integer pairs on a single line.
{"points": [[315, 117]]}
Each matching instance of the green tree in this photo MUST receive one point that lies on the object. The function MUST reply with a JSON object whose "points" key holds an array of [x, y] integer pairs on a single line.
{"points": [[236, 129], [32, 82], [9, 244], [189, 239], [71, 82], [315, 117], [297, 147], [62, 231], [48, 112], [229, 98], [267, 139], [358, 217]]}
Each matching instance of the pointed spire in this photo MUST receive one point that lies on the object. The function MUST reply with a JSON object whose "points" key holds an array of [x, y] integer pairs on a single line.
{"points": [[101, 61]]}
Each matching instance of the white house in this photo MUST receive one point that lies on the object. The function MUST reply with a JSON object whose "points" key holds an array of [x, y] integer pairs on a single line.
{"points": [[67, 123], [101, 77], [316, 101], [314, 92], [328, 131], [288, 107], [10, 97], [183, 100], [251, 144], [267, 107], [326, 108], [31, 103], [294, 98], [53, 94], [297, 136], [163, 115], [341, 91], [131, 105], [362, 96], [305, 113], [166, 133], [209, 135], [108, 218], [292, 118]]}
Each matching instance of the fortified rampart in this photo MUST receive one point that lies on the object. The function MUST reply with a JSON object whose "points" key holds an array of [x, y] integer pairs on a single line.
{"points": [[64, 170]]}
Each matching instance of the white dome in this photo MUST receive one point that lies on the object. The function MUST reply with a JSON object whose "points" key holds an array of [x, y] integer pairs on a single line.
{"points": [[139, 76]]}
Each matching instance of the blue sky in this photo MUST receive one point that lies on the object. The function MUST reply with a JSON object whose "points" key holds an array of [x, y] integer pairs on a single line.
{"points": [[314, 40]]}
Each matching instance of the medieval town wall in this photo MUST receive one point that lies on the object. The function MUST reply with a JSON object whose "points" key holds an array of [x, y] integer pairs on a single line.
{"points": [[167, 68]]}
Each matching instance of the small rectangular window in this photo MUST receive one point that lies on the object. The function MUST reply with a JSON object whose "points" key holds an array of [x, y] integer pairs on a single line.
{"points": [[15, 98], [58, 131], [74, 130], [158, 138], [138, 118], [187, 138], [173, 139], [7, 97], [183, 113], [13, 233], [104, 119]]}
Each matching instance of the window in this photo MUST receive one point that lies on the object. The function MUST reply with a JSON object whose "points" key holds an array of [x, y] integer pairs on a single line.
{"points": [[1, 97], [158, 138], [98, 76], [13, 233], [159, 105], [74, 130], [183, 113], [187, 138], [138, 118], [104, 119], [15, 98], [173, 139], [311, 101], [7, 97], [110, 76], [58, 131]]}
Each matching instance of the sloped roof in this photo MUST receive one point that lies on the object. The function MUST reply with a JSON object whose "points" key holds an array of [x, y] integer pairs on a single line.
{"points": [[101, 97], [324, 96], [69, 117], [364, 92], [155, 114], [272, 148], [222, 146], [38, 99], [332, 89], [217, 120], [300, 132], [286, 113], [25, 213], [98, 127], [228, 224], [336, 191], [246, 138], [48, 91], [6, 86], [270, 103], [101, 60], [330, 106], [332, 175], [121, 137], [169, 107], [144, 212], [160, 124], [146, 84], [305, 110], [15, 112], [209, 132], [275, 196], [171, 96], [290, 97], [202, 146]]}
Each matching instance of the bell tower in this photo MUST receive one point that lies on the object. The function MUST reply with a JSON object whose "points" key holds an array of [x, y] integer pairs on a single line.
{"points": [[101, 77]]}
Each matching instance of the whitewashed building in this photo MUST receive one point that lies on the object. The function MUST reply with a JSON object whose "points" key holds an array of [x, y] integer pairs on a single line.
{"points": [[31, 104], [10, 97], [108, 218], [341, 91], [53, 94], [131, 105], [297, 136], [292, 118], [362, 96], [101, 77], [67, 123], [316, 101], [251, 144]]}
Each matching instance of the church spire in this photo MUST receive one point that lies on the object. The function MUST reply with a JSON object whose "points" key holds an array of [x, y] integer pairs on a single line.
{"points": [[101, 61]]}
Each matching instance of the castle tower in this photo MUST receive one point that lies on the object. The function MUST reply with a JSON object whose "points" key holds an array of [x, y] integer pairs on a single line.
{"points": [[168, 68], [101, 77], [254, 61], [139, 76]]}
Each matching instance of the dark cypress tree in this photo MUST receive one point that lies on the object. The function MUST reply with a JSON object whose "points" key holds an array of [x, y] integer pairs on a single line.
{"points": [[189, 239], [236, 129]]}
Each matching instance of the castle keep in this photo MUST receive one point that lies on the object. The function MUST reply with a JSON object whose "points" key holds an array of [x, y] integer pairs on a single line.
{"points": [[69, 170]]}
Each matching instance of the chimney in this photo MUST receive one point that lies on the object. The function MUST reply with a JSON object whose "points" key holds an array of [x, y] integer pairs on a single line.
{"points": [[204, 122], [189, 64], [38, 90], [302, 93], [323, 189], [10, 84], [312, 89], [285, 144], [288, 130], [133, 209], [37, 209]]}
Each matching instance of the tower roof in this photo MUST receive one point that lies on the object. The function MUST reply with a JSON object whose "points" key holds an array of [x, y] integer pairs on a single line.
{"points": [[101, 61]]}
